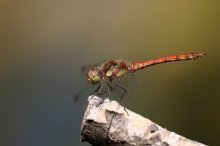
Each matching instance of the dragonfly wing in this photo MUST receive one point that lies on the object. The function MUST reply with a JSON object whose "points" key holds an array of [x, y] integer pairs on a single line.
{"points": [[85, 68]]}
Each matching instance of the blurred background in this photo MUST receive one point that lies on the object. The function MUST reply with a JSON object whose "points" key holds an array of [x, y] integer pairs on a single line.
{"points": [[43, 44]]}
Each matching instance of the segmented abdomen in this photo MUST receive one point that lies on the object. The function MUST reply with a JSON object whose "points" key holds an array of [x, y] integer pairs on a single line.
{"points": [[134, 66]]}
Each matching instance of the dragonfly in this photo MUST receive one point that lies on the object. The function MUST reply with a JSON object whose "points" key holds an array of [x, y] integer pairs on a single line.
{"points": [[110, 72]]}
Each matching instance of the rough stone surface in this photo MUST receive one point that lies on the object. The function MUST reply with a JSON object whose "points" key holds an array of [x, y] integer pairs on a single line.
{"points": [[110, 124]]}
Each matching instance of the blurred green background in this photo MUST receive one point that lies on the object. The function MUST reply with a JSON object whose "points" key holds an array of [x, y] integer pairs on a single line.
{"points": [[44, 44]]}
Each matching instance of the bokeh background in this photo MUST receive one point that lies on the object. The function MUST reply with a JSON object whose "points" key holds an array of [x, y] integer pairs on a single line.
{"points": [[44, 43]]}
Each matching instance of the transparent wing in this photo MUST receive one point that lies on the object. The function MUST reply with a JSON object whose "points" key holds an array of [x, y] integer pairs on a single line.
{"points": [[85, 68], [122, 87]]}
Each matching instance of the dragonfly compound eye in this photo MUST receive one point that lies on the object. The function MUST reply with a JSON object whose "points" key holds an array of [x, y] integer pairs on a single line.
{"points": [[93, 76]]}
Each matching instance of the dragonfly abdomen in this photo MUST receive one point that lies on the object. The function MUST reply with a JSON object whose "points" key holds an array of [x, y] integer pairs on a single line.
{"points": [[134, 66]]}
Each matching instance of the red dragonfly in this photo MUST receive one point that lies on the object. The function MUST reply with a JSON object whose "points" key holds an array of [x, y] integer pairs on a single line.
{"points": [[109, 72]]}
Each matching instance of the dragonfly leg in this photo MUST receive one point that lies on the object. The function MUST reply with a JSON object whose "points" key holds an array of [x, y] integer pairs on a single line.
{"points": [[123, 88], [99, 90], [106, 91], [124, 94], [109, 88], [95, 91]]}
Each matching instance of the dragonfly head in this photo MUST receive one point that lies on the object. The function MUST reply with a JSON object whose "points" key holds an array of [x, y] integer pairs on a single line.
{"points": [[93, 76]]}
